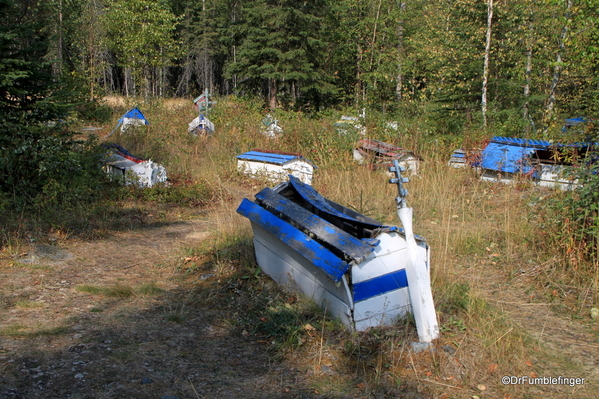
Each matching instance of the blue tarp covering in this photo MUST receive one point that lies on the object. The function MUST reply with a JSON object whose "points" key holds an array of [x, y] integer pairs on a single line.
{"points": [[134, 113], [513, 155], [506, 157]]}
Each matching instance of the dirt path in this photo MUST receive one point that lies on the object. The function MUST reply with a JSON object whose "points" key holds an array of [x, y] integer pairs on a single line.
{"points": [[62, 342]]}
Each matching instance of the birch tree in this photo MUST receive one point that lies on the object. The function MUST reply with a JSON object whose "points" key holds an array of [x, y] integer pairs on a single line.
{"points": [[141, 33], [558, 67], [486, 62]]}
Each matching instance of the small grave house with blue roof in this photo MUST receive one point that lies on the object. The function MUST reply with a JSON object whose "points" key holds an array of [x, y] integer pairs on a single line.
{"points": [[546, 164], [131, 118], [361, 271], [275, 166]]}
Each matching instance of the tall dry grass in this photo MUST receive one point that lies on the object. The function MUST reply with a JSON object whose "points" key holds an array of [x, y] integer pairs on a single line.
{"points": [[470, 225]]}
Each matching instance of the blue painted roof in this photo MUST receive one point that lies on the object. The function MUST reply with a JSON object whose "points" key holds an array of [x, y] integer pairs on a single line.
{"points": [[268, 157], [334, 266], [458, 154], [512, 155], [576, 121], [327, 234], [134, 113], [506, 157]]}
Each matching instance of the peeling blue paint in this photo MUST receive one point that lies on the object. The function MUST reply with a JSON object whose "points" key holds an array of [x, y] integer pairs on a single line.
{"points": [[331, 236], [312, 250]]}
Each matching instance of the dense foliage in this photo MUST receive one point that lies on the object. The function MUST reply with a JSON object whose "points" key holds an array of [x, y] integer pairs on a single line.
{"points": [[451, 69], [40, 160], [393, 56]]}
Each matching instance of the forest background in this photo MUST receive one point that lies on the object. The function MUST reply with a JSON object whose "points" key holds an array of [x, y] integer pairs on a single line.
{"points": [[519, 65]]}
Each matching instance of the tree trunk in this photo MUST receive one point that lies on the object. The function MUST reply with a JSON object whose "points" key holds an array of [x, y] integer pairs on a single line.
{"points": [[126, 82], [57, 64], [557, 71], [272, 93], [359, 85], [486, 63], [528, 73], [400, 33]]}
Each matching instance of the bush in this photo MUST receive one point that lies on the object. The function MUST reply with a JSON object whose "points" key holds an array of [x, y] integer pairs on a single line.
{"points": [[568, 226]]}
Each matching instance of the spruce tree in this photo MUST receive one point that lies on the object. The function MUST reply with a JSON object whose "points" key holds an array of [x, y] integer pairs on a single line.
{"points": [[37, 158], [281, 49]]}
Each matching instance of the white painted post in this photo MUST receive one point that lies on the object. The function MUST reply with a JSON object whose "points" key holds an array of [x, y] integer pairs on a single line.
{"points": [[419, 283]]}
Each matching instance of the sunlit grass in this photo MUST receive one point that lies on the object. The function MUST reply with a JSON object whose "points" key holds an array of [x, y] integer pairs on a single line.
{"points": [[115, 291], [29, 304], [18, 330], [469, 225]]}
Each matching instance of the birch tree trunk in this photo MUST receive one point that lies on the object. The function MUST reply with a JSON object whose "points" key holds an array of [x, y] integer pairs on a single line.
{"points": [[528, 72], [486, 63], [557, 70], [400, 33], [272, 93]]}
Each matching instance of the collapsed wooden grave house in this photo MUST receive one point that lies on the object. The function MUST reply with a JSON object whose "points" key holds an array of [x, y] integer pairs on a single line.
{"points": [[379, 154], [275, 166], [131, 170], [362, 272]]}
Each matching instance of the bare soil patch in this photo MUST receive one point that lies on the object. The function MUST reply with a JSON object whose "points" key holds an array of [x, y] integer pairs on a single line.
{"points": [[152, 332], [59, 341]]}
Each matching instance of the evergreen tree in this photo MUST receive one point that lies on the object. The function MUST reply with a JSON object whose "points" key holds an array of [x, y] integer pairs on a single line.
{"points": [[37, 157], [281, 50], [203, 24]]}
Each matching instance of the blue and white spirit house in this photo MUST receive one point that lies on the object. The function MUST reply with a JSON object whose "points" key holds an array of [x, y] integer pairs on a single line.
{"points": [[361, 271]]}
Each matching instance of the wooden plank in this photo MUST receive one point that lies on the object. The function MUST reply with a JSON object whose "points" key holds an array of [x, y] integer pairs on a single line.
{"points": [[331, 208], [312, 250], [329, 235]]}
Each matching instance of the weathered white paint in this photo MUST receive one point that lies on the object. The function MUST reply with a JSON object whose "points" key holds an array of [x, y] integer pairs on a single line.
{"points": [[551, 176], [131, 122], [292, 270], [201, 125], [277, 172], [142, 174], [421, 296]]}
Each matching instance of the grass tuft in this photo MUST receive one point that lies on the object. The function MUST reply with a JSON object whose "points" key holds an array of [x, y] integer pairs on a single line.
{"points": [[23, 331], [116, 291]]}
